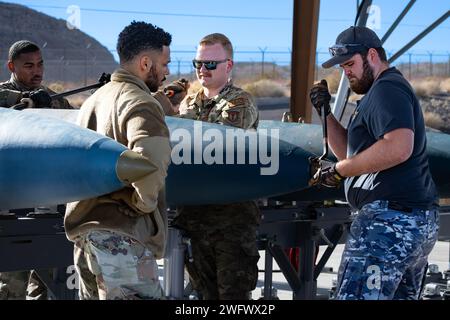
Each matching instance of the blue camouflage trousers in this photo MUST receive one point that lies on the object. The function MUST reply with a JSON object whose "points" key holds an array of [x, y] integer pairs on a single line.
{"points": [[112, 266], [386, 253]]}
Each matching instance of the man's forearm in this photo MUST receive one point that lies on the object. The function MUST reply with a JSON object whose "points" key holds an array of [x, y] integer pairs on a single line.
{"points": [[384, 154], [157, 151]]}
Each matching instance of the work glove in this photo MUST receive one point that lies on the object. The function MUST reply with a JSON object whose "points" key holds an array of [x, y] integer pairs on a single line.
{"points": [[40, 98], [320, 96], [25, 103], [176, 91], [325, 174]]}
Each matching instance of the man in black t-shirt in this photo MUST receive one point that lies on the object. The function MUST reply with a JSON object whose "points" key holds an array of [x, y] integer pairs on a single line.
{"points": [[383, 162]]}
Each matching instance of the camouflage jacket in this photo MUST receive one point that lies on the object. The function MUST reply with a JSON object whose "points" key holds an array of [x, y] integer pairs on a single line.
{"points": [[11, 94], [232, 107]]}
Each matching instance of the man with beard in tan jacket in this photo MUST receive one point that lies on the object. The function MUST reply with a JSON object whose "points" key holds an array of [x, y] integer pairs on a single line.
{"points": [[119, 236]]}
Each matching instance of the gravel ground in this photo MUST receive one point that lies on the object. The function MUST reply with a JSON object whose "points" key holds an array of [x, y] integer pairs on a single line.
{"points": [[439, 105]]}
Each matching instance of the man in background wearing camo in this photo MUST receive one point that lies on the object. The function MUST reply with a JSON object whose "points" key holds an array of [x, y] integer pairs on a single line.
{"points": [[223, 237], [25, 86]]}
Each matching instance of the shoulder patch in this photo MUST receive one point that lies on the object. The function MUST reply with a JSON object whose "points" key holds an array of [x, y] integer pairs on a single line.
{"points": [[237, 102], [233, 116]]}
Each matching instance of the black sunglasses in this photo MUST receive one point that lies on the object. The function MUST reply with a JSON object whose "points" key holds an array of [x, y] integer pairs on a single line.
{"points": [[209, 65], [341, 49]]}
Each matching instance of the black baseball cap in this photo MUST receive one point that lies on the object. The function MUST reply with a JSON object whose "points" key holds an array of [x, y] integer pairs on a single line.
{"points": [[350, 41]]}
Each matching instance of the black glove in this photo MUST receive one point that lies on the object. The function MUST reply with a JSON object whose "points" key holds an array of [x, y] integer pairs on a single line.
{"points": [[320, 96], [176, 91], [325, 174], [40, 98]]}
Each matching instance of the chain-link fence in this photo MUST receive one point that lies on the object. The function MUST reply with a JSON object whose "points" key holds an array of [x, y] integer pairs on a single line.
{"points": [[265, 63], [84, 66]]}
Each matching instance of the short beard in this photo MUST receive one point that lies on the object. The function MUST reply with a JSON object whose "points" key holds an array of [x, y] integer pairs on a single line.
{"points": [[363, 85], [152, 80]]}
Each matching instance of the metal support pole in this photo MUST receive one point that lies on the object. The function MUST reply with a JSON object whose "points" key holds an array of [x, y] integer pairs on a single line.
{"points": [[285, 266], [268, 269], [336, 236], [397, 21], [419, 37], [344, 91], [174, 265], [304, 42], [307, 253]]}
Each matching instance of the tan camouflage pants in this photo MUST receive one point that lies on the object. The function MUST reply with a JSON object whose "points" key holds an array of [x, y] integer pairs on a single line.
{"points": [[112, 266], [21, 285]]}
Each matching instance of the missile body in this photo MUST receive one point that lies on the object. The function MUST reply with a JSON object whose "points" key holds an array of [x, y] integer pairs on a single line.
{"points": [[222, 164], [47, 161]]}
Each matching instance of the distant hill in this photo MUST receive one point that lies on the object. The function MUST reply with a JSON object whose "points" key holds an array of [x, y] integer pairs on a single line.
{"points": [[70, 55]]}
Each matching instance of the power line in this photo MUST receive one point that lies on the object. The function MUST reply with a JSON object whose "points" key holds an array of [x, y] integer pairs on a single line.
{"points": [[191, 15], [168, 14]]}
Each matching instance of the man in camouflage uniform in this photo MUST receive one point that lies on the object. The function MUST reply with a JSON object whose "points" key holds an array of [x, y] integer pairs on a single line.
{"points": [[27, 68], [382, 158], [119, 236], [223, 237]]}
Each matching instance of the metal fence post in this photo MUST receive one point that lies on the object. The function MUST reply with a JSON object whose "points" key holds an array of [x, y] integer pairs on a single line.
{"points": [[409, 66], [448, 64], [431, 63], [263, 51]]}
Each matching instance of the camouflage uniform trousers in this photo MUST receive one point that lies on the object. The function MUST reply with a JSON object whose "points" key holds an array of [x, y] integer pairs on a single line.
{"points": [[112, 266], [225, 262], [21, 285], [386, 254]]}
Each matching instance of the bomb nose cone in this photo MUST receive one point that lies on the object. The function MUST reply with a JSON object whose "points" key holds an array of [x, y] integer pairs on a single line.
{"points": [[131, 166]]}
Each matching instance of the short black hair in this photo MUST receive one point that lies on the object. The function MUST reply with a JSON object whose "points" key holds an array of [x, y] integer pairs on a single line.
{"points": [[21, 46], [140, 36]]}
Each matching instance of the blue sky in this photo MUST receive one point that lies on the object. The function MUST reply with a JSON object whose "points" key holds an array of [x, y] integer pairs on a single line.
{"points": [[252, 25]]}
